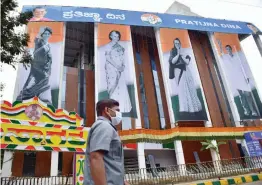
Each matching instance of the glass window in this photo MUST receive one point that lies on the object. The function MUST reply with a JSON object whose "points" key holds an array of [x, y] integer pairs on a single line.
{"points": [[161, 111], [60, 161], [163, 123], [156, 80], [143, 96], [146, 120], [158, 95], [142, 92], [145, 110], [29, 164], [63, 90]]}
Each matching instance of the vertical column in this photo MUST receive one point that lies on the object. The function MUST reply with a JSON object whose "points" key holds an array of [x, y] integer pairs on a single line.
{"points": [[7, 164], [179, 152], [216, 158], [258, 43], [178, 144], [140, 146], [54, 163], [55, 154], [208, 123], [224, 79], [83, 62], [235, 114], [63, 93], [81, 83], [96, 64], [141, 159]]}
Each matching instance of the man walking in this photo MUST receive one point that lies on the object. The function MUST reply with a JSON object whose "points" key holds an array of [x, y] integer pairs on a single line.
{"points": [[104, 162]]}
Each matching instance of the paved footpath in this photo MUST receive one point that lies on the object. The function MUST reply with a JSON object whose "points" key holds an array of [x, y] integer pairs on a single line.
{"points": [[253, 183], [248, 179], [254, 179]]}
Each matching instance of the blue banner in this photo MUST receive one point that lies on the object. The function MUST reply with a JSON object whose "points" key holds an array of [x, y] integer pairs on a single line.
{"points": [[112, 16], [254, 143]]}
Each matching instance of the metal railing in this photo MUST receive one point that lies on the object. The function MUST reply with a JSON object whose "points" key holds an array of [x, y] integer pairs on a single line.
{"points": [[162, 175], [53, 180], [194, 172]]}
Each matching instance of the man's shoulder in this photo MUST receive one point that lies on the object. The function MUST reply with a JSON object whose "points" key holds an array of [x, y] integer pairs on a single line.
{"points": [[101, 124]]}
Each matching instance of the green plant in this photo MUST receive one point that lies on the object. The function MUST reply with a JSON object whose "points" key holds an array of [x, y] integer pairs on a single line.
{"points": [[210, 144]]}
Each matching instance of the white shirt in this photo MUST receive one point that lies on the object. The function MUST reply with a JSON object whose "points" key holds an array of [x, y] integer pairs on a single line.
{"points": [[235, 73]]}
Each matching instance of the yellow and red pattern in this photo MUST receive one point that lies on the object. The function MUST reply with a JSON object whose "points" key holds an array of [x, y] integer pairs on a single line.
{"points": [[78, 173], [16, 111], [42, 137], [54, 130]]}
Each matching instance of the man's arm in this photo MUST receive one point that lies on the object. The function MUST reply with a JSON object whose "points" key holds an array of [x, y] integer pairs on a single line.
{"points": [[97, 168], [99, 144]]}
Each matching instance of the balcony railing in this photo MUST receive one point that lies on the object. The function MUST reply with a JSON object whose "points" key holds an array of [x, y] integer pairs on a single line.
{"points": [[162, 175]]}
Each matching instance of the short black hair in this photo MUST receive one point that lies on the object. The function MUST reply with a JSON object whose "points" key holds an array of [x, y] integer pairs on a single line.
{"points": [[102, 104], [47, 29], [177, 40], [38, 7], [229, 46], [117, 32]]}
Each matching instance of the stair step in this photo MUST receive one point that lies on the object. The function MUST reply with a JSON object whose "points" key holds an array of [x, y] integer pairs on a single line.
{"points": [[127, 165], [130, 162], [131, 159]]}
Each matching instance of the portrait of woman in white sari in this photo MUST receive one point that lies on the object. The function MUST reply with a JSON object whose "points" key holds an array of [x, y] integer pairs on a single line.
{"points": [[180, 71], [115, 72]]}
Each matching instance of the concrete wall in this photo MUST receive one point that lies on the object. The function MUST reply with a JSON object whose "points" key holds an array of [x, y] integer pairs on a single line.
{"points": [[181, 9]]}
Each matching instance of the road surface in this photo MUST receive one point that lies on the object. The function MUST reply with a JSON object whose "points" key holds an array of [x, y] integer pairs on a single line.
{"points": [[254, 183]]}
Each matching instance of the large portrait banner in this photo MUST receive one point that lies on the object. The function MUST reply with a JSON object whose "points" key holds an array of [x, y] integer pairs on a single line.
{"points": [[115, 66], [180, 69], [238, 76], [42, 77]]}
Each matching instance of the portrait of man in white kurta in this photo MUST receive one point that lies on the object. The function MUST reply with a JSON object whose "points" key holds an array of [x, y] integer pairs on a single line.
{"points": [[239, 78]]}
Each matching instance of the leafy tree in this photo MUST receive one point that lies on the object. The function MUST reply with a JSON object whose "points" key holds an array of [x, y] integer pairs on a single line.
{"points": [[13, 43]]}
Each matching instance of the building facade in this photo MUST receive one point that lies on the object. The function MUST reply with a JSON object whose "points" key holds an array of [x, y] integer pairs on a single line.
{"points": [[166, 71]]}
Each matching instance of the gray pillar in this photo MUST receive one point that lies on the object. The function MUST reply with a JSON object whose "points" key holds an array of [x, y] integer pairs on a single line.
{"points": [[258, 43], [81, 83]]}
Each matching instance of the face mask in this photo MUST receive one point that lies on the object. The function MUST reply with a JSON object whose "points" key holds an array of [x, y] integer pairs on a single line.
{"points": [[117, 119]]}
